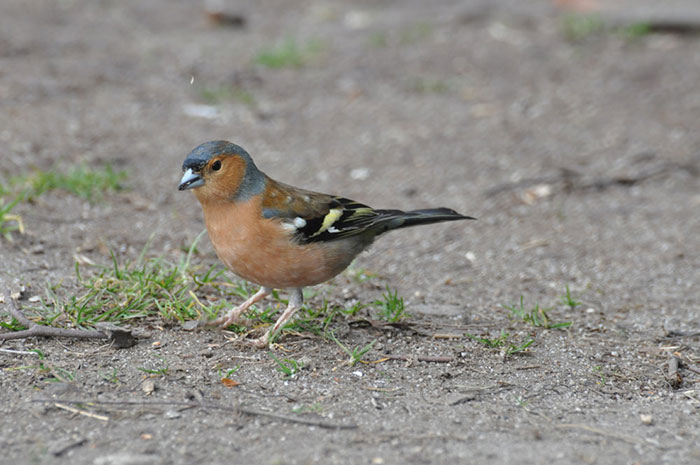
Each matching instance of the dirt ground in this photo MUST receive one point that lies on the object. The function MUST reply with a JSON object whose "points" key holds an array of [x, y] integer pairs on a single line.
{"points": [[577, 152]]}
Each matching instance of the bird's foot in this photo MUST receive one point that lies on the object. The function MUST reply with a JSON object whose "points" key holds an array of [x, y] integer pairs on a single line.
{"points": [[235, 316]]}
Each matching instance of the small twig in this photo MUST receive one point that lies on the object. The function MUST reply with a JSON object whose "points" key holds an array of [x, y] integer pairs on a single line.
{"points": [[673, 376], [266, 396], [19, 352], [570, 180], [529, 367], [37, 330], [80, 412], [419, 327], [447, 336], [383, 437], [689, 368], [676, 333], [418, 358], [59, 452], [206, 405], [689, 396]]}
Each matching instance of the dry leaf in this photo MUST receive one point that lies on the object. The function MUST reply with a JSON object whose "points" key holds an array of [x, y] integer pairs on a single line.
{"points": [[228, 382]]}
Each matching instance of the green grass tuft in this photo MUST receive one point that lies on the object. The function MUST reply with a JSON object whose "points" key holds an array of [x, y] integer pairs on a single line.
{"points": [[145, 288], [636, 30], [503, 343], [491, 343], [228, 373], [536, 316], [568, 300], [288, 54], [87, 183], [577, 27], [390, 307], [356, 353], [10, 222], [287, 366], [82, 181], [160, 367]]}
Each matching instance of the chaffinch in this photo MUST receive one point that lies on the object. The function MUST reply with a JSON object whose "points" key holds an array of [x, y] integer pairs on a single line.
{"points": [[279, 236]]}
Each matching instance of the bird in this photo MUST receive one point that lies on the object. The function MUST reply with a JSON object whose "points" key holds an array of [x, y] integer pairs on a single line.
{"points": [[279, 236]]}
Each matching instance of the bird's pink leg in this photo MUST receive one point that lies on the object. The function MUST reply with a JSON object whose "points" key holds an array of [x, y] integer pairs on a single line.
{"points": [[234, 315], [296, 299]]}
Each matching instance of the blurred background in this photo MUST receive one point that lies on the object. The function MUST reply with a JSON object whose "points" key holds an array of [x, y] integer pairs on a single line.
{"points": [[569, 128], [562, 125]]}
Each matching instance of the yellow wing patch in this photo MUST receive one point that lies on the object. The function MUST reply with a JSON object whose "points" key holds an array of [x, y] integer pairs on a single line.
{"points": [[328, 220]]}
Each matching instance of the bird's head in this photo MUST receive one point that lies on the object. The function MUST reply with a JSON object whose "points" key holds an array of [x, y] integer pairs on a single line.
{"points": [[221, 170]]}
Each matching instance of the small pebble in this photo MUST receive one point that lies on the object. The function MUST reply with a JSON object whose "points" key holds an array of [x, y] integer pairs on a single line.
{"points": [[359, 174], [148, 386]]}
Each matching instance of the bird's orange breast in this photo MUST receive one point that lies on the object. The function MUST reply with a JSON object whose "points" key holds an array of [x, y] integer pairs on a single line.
{"points": [[260, 250]]}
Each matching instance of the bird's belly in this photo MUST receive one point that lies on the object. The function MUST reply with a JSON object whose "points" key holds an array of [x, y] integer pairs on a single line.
{"points": [[278, 263]]}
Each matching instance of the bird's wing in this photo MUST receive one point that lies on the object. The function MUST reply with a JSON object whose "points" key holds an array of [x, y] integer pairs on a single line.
{"points": [[314, 217]]}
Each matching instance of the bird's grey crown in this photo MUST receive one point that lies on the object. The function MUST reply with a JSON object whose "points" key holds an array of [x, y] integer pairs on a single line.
{"points": [[204, 152]]}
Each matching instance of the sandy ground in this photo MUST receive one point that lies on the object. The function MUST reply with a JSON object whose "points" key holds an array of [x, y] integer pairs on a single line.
{"points": [[579, 156]]}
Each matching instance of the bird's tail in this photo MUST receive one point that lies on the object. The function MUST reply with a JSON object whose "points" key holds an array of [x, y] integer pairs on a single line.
{"points": [[395, 219]]}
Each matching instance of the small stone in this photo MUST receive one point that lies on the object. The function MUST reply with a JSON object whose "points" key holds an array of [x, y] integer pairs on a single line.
{"points": [[201, 111], [148, 386], [359, 174], [37, 249], [190, 325], [356, 20], [306, 362], [646, 419]]}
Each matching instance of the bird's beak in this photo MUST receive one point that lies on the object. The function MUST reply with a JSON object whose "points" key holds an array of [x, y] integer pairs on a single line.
{"points": [[190, 180]]}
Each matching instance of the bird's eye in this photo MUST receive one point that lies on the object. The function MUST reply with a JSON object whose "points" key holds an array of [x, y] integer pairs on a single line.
{"points": [[216, 166]]}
